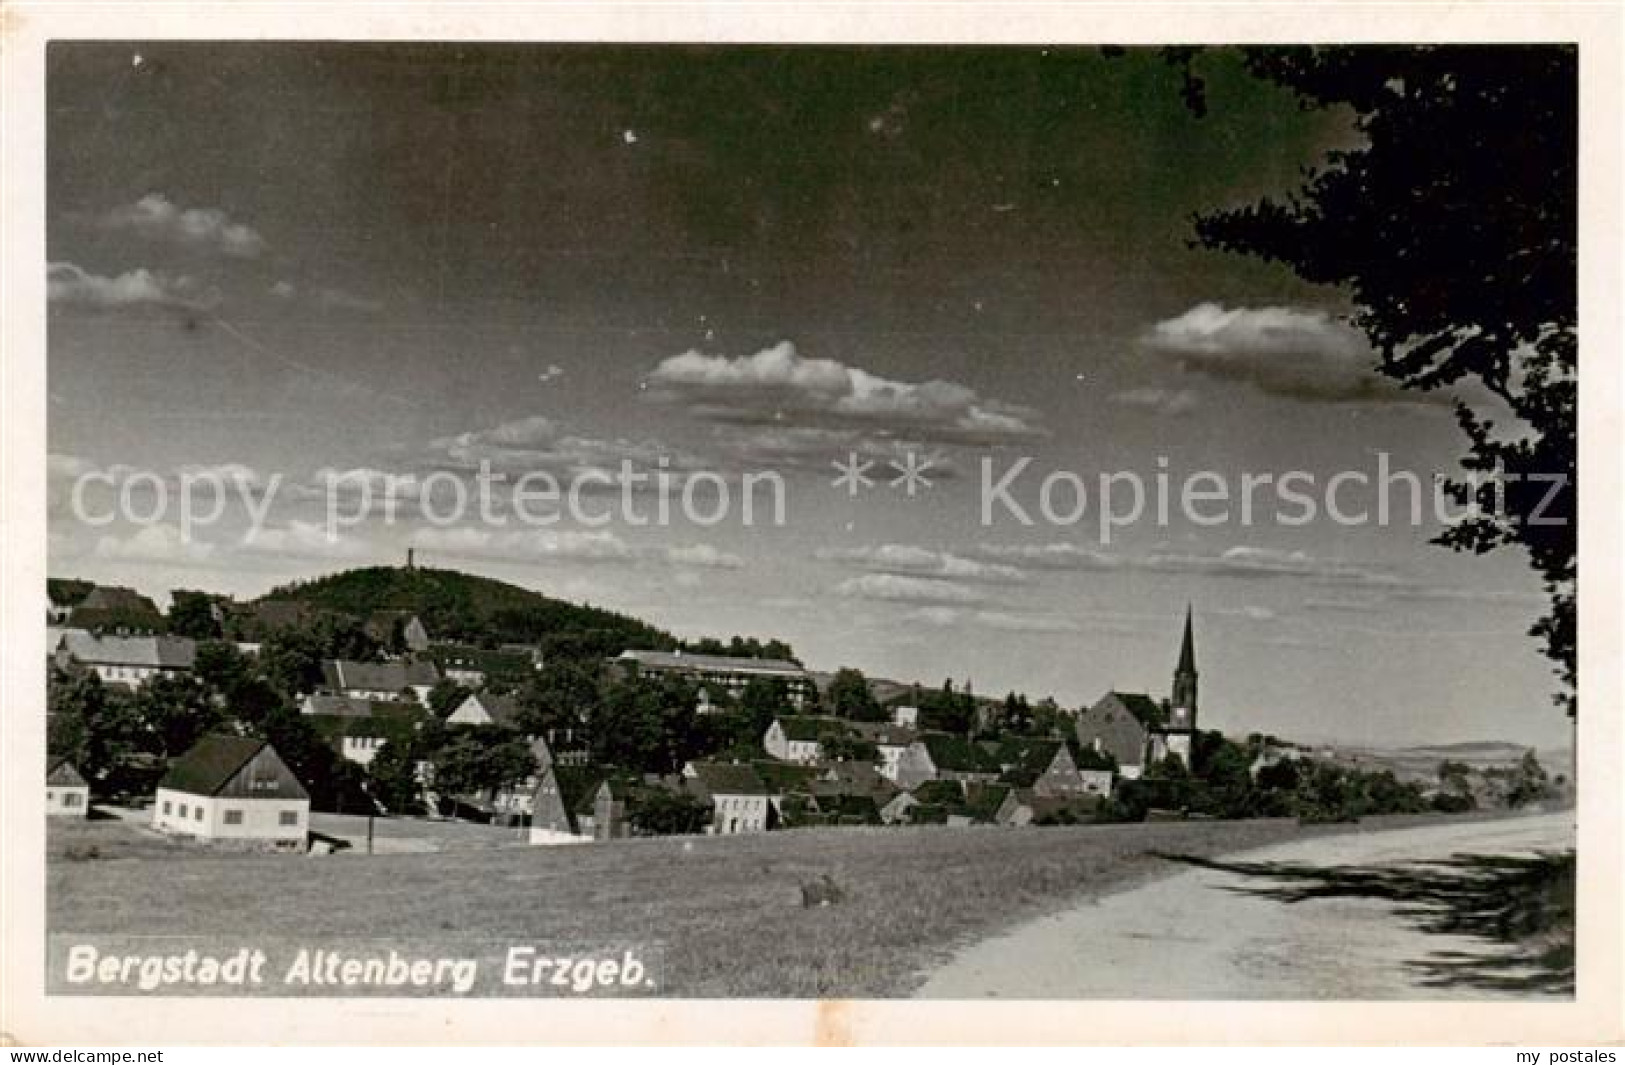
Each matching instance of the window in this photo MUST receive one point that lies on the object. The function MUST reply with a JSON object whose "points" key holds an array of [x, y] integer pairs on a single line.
{"points": [[167, 805], [197, 813], [288, 817], [182, 810], [70, 799], [234, 817]]}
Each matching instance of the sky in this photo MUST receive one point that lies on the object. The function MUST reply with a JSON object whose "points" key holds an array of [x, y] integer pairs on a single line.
{"points": [[667, 272]]}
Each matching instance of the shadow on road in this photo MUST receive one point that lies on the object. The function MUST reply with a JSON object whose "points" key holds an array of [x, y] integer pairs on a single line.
{"points": [[1522, 908]]}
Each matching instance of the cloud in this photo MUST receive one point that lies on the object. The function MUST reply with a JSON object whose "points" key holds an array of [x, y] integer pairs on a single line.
{"points": [[205, 227], [548, 545], [1000, 620], [815, 448], [538, 443], [1300, 354], [69, 283], [777, 386], [568, 545], [1058, 556], [704, 556], [895, 588], [154, 543], [913, 560], [1242, 562], [1165, 401], [302, 539]]}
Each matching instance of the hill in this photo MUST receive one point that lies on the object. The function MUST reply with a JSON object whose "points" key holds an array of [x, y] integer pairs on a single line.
{"points": [[462, 607]]}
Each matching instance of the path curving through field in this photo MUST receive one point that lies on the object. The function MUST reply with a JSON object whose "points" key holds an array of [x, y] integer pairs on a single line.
{"points": [[1378, 915]]}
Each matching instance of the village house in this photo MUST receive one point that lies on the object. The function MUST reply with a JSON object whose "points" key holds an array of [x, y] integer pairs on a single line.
{"points": [[125, 660], [890, 740], [1045, 766], [940, 756], [379, 680], [557, 812], [483, 708], [359, 728], [800, 739], [233, 788], [723, 672], [738, 798], [115, 609], [66, 792], [905, 716], [398, 629], [476, 667]]}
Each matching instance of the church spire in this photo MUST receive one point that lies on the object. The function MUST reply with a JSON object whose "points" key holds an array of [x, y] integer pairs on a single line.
{"points": [[1184, 694]]}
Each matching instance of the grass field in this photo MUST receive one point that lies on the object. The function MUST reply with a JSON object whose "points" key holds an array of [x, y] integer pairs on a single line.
{"points": [[727, 911]]}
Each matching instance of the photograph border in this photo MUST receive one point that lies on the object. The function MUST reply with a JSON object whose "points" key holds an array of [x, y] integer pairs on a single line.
{"points": [[28, 1017]]}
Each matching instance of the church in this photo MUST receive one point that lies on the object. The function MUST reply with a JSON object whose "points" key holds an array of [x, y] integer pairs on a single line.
{"points": [[1136, 729]]}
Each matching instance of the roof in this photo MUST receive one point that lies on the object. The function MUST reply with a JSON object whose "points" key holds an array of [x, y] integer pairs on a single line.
{"points": [[152, 652], [491, 663], [1187, 648], [106, 597], [344, 675], [712, 663], [783, 776], [348, 706], [502, 709], [60, 773], [1146, 710], [885, 733], [212, 763], [809, 729], [852, 778], [958, 755], [728, 778]]}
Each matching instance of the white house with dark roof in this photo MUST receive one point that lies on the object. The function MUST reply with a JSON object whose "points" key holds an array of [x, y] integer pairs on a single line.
{"points": [[380, 680], [359, 728], [66, 792], [125, 660], [739, 800], [233, 788]]}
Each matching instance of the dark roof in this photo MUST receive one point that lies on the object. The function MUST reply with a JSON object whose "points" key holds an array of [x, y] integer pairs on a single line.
{"points": [[727, 778], [958, 755], [885, 733], [1145, 709], [940, 792], [808, 728], [345, 675], [783, 776], [503, 709], [982, 801], [60, 773], [106, 597], [150, 652], [350, 707], [211, 764], [491, 663]]}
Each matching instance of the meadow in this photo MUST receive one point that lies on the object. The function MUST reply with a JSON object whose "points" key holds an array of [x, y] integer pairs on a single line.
{"points": [[727, 911]]}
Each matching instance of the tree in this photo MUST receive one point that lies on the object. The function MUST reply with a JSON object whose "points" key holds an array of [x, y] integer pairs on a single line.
{"points": [[561, 696], [1529, 782], [480, 758], [850, 697], [177, 711], [392, 777], [659, 812], [193, 614], [1453, 228], [841, 747]]}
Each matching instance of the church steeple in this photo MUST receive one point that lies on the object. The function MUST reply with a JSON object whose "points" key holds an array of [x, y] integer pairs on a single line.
{"points": [[1184, 694]]}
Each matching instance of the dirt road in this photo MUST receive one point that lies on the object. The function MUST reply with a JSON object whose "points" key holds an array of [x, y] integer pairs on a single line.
{"points": [[1339, 917]]}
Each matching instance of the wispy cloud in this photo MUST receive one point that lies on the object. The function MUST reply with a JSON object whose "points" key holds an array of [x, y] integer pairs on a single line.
{"points": [[154, 543], [1057, 556], [778, 386], [1169, 402], [914, 560], [895, 588], [949, 617], [1297, 353], [202, 227]]}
